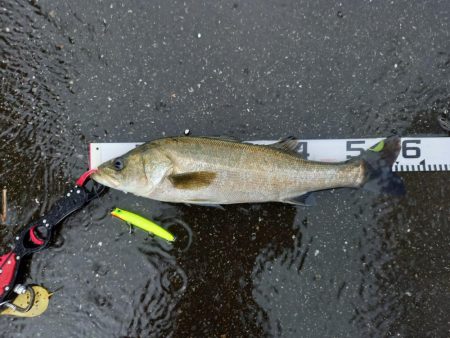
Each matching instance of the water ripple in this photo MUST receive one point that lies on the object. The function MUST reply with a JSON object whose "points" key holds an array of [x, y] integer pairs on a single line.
{"points": [[34, 133], [154, 303]]}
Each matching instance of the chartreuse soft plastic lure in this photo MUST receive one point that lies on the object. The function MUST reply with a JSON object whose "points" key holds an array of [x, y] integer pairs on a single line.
{"points": [[143, 223], [378, 147]]}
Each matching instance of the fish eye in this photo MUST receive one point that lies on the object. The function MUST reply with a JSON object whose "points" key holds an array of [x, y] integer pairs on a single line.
{"points": [[118, 164]]}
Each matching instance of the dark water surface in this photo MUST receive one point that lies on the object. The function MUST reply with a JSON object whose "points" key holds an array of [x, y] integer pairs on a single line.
{"points": [[355, 265]]}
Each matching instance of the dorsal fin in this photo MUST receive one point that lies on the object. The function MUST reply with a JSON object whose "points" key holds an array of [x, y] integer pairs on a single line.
{"points": [[289, 144], [224, 138]]}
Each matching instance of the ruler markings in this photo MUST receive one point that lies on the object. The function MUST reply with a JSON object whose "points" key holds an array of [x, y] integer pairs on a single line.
{"points": [[417, 154]]}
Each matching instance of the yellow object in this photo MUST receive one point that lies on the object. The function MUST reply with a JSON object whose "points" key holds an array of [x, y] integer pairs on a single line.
{"points": [[143, 223], [40, 303], [378, 147]]}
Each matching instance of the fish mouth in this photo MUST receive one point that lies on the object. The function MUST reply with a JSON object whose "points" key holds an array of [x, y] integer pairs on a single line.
{"points": [[102, 177]]}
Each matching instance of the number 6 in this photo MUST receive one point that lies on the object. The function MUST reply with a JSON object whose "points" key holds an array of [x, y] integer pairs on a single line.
{"points": [[415, 150]]}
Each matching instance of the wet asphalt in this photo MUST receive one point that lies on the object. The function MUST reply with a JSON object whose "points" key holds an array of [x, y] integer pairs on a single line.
{"points": [[355, 265]]}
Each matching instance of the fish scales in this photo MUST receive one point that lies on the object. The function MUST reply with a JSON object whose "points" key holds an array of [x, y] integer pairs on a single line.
{"points": [[249, 172]]}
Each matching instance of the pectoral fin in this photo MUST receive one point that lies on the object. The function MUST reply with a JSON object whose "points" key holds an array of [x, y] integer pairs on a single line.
{"points": [[192, 180]]}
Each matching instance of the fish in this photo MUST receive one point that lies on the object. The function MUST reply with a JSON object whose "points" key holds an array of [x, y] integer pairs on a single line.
{"points": [[221, 170]]}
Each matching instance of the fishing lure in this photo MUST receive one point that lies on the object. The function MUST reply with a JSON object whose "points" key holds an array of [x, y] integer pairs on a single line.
{"points": [[143, 223]]}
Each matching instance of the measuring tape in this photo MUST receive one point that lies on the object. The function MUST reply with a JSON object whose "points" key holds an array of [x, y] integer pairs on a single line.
{"points": [[417, 153]]}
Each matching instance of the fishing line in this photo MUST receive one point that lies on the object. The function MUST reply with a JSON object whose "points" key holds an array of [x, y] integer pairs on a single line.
{"points": [[189, 232]]}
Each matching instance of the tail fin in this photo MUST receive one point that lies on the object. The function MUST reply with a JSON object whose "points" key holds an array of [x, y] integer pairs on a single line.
{"points": [[377, 162]]}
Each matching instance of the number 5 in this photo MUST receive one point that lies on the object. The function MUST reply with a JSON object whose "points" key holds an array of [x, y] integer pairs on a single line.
{"points": [[350, 148]]}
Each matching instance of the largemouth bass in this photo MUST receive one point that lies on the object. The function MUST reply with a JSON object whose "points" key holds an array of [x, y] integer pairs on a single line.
{"points": [[207, 170]]}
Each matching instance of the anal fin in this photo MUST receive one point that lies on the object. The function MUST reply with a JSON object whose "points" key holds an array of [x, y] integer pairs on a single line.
{"points": [[210, 205], [305, 200]]}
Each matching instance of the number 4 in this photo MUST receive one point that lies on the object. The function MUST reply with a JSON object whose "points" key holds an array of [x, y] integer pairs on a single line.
{"points": [[303, 150]]}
